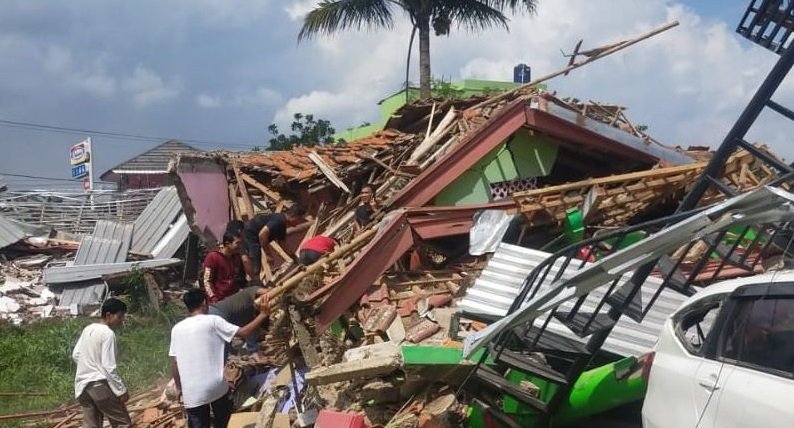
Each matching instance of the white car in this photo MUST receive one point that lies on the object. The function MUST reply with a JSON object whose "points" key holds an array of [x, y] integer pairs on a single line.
{"points": [[725, 358]]}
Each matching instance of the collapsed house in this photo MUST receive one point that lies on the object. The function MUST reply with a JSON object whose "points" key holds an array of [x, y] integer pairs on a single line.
{"points": [[472, 191], [475, 195]]}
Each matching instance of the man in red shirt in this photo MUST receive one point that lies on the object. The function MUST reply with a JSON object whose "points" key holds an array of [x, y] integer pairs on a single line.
{"points": [[221, 268], [314, 248]]}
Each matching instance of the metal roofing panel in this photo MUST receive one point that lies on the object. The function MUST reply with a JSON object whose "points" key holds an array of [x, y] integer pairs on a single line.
{"points": [[64, 274], [499, 284], [9, 232], [156, 158], [658, 151], [172, 240], [109, 243], [155, 220], [87, 294]]}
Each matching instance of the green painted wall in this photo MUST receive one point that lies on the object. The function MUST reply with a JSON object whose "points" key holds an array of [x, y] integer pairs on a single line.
{"points": [[360, 132], [522, 156], [390, 104]]}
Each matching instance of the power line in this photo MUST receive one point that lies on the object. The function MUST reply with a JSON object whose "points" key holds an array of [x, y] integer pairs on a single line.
{"points": [[114, 135], [38, 177]]}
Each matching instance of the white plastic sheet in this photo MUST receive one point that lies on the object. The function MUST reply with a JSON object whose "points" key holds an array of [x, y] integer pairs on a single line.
{"points": [[487, 231]]}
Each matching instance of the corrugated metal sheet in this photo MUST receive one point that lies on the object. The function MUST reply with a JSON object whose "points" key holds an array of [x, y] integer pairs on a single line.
{"points": [[155, 220], [172, 240], [9, 232], [109, 243], [499, 283], [154, 159], [65, 274], [90, 294]]}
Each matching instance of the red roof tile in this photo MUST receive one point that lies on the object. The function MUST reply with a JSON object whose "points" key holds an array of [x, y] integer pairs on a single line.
{"points": [[296, 165]]}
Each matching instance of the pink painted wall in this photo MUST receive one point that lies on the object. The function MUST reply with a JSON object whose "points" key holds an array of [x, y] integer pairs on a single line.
{"points": [[203, 189]]}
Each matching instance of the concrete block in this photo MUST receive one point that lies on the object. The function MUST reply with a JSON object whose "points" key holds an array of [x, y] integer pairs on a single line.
{"points": [[359, 369]]}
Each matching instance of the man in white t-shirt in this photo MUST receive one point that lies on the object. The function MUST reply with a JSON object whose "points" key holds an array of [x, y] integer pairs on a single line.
{"points": [[197, 360], [97, 384]]}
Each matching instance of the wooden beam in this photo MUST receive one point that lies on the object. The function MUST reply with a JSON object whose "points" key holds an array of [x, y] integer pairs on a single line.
{"points": [[321, 264], [249, 208], [265, 274], [281, 252], [270, 194], [234, 203], [327, 171]]}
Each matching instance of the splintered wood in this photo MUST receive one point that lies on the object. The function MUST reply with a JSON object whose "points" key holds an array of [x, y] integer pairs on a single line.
{"points": [[148, 409], [616, 200]]}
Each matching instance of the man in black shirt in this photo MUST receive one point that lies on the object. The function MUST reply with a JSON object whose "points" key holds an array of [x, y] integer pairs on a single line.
{"points": [[239, 309], [263, 229]]}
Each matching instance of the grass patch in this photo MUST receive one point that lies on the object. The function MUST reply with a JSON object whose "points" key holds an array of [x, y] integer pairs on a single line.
{"points": [[37, 358]]}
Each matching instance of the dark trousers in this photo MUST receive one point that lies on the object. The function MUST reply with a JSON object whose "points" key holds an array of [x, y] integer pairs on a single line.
{"points": [[308, 257], [254, 251], [98, 401], [199, 417]]}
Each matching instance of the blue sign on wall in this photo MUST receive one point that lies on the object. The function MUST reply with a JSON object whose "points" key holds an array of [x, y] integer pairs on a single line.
{"points": [[79, 171]]}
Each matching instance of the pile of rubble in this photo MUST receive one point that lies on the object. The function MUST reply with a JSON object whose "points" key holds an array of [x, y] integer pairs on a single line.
{"points": [[47, 272], [472, 195], [373, 329]]}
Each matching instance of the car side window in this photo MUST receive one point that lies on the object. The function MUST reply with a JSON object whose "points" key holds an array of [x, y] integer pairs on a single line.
{"points": [[693, 325], [761, 335]]}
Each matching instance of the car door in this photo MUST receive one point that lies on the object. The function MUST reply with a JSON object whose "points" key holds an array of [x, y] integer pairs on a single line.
{"points": [[756, 383], [678, 391]]}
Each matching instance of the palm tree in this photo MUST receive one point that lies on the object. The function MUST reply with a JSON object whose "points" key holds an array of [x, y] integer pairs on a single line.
{"points": [[331, 16]]}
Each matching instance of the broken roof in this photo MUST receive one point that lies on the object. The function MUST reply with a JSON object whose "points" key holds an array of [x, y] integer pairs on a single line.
{"points": [[10, 233], [296, 164], [482, 128], [152, 161]]}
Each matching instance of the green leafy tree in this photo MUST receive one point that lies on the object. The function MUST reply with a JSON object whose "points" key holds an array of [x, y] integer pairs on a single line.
{"points": [[445, 90], [306, 131], [331, 16]]}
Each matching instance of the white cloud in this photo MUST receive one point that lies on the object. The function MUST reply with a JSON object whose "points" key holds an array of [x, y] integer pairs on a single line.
{"points": [[297, 10], [688, 85], [84, 76], [148, 88], [228, 13], [260, 96], [321, 104], [208, 101], [375, 70]]}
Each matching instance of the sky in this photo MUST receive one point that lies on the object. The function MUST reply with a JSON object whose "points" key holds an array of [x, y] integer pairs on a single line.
{"points": [[220, 71]]}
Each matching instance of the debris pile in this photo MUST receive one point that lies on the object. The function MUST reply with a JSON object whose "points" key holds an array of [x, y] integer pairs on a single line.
{"points": [[374, 327], [472, 195], [51, 268]]}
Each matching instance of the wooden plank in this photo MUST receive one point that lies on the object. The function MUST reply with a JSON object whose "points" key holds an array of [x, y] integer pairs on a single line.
{"points": [[328, 171], [312, 230], [234, 203], [248, 212], [281, 252], [272, 195], [266, 274], [153, 291], [304, 338]]}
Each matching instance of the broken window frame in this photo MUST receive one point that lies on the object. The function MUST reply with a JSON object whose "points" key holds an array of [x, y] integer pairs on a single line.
{"points": [[708, 305]]}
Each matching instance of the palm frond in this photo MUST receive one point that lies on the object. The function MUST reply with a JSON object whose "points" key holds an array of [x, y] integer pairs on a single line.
{"points": [[472, 15], [514, 6], [331, 16]]}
